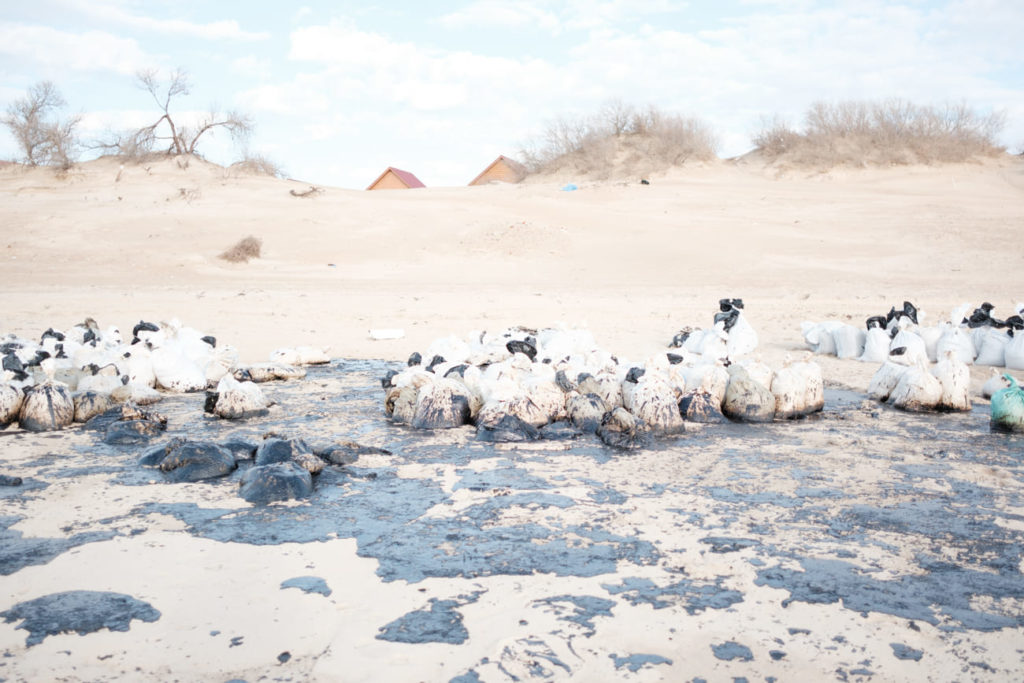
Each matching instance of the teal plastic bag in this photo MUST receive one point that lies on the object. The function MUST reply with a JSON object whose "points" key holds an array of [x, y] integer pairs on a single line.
{"points": [[1008, 407]]}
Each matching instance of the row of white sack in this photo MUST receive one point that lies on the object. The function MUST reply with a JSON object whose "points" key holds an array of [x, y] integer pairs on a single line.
{"points": [[174, 358], [554, 344], [945, 386], [981, 345], [51, 405]]}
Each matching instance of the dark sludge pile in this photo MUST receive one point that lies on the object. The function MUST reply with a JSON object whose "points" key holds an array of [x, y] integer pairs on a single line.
{"points": [[862, 506]]}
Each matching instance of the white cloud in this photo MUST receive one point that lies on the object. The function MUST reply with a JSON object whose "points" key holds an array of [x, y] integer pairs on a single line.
{"points": [[111, 12], [426, 95], [611, 14], [371, 66], [555, 17], [341, 43], [504, 14], [306, 95], [87, 51], [251, 66]]}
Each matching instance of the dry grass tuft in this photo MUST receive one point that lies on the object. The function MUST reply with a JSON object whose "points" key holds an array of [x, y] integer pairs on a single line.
{"points": [[243, 250], [619, 140], [891, 132], [258, 164]]}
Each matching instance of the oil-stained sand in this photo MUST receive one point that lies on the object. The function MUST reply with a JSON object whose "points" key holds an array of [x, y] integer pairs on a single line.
{"points": [[863, 542]]}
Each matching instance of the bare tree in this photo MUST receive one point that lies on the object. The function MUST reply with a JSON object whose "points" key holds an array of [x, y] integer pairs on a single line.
{"points": [[179, 137], [617, 116], [646, 121], [43, 138]]}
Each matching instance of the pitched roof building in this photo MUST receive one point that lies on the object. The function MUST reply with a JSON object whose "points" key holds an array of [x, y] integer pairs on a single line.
{"points": [[395, 179], [503, 170]]}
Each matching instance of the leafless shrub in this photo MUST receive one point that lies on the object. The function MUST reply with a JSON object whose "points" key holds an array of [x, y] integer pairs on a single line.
{"points": [[243, 250], [619, 140], [676, 139], [776, 137], [881, 133], [644, 121], [127, 145], [258, 164], [617, 116], [44, 139], [144, 143]]}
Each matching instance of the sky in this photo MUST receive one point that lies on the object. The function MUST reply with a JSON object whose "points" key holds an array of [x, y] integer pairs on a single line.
{"points": [[339, 91]]}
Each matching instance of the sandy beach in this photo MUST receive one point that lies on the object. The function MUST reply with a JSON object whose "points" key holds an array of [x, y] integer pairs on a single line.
{"points": [[861, 544]]}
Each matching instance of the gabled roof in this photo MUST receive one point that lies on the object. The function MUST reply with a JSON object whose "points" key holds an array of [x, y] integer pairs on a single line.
{"points": [[409, 179], [516, 167]]}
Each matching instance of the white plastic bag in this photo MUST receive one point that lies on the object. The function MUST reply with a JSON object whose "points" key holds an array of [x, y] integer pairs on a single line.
{"points": [[1014, 352], [876, 346], [849, 341], [958, 340], [991, 344], [742, 338], [914, 350]]}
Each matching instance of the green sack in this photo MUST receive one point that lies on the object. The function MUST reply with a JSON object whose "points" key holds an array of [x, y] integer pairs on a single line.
{"points": [[1008, 407]]}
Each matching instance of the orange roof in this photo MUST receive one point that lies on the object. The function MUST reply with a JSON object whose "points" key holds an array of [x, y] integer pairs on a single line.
{"points": [[517, 167], [407, 178]]}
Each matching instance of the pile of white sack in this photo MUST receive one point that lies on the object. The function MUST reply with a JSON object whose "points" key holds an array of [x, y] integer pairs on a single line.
{"points": [[976, 339], [557, 375], [75, 374], [909, 383], [730, 336]]}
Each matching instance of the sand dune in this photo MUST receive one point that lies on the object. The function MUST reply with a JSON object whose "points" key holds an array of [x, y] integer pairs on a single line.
{"points": [[632, 262]]}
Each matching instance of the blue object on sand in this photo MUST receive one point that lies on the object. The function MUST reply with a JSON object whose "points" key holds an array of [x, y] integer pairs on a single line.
{"points": [[569, 188], [1008, 407]]}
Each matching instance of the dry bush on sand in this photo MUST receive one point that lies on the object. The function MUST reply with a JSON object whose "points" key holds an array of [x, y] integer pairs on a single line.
{"points": [[258, 164], [243, 250], [43, 138], [619, 140], [855, 133]]}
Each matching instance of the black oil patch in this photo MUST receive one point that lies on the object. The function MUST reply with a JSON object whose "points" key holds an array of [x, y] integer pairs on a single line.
{"points": [[722, 544], [308, 584], [439, 622], [693, 596], [636, 662], [11, 490], [579, 609], [18, 552], [784, 499], [386, 514], [945, 589], [731, 650], [901, 651], [468, 677], [81, 612], [502, 477]]}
